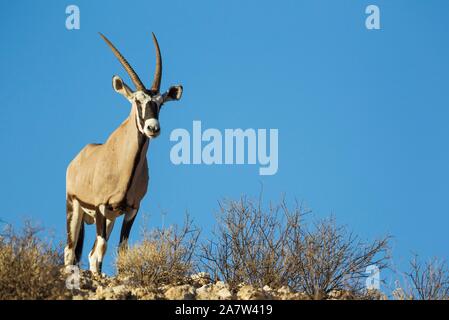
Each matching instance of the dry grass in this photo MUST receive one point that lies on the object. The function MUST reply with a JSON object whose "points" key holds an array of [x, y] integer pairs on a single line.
{"points": [[163, 257], [29, 266]]}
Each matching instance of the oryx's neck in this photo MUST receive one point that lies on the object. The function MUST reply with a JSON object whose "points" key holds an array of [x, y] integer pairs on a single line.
{"points": [[128, 146]]}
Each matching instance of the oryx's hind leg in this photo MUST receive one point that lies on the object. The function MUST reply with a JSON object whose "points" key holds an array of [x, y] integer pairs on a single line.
{"points": [[74, 221]]}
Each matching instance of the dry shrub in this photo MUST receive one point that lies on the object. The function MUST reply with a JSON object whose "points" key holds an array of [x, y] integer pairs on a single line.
{"points": [[427, 280], [29, 266], [249, 244], [328, 257], [163, 257], [273, 247]]}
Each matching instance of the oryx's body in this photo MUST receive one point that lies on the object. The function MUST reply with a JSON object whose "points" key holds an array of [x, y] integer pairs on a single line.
{"points": [[110, 179], [114, 173]]}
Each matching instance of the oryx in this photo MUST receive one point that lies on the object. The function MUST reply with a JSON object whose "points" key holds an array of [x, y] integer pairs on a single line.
{"points": [[106, 180]]}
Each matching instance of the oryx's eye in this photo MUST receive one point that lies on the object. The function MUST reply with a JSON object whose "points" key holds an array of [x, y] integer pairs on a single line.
{"points": [[158, 100]]}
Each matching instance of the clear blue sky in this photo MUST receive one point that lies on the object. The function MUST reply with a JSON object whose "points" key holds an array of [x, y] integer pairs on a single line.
{"points": [[362, 115]]}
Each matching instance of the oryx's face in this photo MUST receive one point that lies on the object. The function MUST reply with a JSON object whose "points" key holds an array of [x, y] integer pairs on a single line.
{"points": [[146, 103], [147, 112]]}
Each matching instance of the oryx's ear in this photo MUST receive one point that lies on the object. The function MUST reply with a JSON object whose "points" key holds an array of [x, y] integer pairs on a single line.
{"points": [[121, 87], [174, 93]]}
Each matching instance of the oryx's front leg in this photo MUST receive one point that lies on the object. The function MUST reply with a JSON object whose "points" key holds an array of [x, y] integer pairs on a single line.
{"points": [[100, 245], [109, 226], [128, 221]]}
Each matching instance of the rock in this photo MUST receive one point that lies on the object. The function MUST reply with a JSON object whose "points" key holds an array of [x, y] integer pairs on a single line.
{"points": [[335, 294], [218, 291], [146, 294], [87, 284], [224, 294], [339, 295], [283, 293], [222, 291], [152, 296], [205, 292], [267, 288], [197, 286], [286, 293], [248, 292], [104, 293], [220, 285], [92, 296], [121, 292], [120, 289], [200, 279], [374, 294], [284, 290], [182, 292]]}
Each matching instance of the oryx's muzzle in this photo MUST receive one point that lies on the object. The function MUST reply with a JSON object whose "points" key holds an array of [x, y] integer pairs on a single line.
{"points": [[152, 128]]}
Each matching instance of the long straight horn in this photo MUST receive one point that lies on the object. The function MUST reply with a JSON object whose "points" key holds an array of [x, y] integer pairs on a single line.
{"points": [[133, 75], [158, 72]]}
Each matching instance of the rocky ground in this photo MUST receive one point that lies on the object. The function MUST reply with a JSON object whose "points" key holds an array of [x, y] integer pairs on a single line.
{"points": [[196, 287]]}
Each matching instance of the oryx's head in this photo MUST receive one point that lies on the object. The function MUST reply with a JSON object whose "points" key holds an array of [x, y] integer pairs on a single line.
{"points": [[147, 102]]}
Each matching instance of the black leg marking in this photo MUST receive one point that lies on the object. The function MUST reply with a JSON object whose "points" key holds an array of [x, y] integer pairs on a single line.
{"points": [[125, 231], [100, 224], [69, 213], [79, 244]]}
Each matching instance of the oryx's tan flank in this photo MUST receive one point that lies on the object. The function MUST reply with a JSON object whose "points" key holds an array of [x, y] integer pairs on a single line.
{"points": [[110, 179]]}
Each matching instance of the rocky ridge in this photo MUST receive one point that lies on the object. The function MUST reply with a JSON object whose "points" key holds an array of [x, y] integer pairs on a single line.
{"points": [[196, 287]]}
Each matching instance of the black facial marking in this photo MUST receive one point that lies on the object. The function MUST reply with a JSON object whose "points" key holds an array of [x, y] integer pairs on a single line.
{"points": [[139, 114], [151, 110]]}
